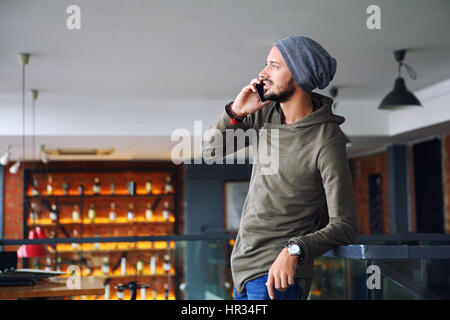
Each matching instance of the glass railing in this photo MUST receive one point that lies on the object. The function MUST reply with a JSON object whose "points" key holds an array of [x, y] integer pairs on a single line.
{"points": [[198, 267]]}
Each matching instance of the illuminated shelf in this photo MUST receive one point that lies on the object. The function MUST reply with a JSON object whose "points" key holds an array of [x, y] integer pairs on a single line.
{"points": [[111, 224], [76, 196], [102, 252]]}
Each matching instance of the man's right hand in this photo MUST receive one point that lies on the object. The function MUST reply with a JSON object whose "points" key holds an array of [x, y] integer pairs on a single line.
{"points": [[247, 101]]}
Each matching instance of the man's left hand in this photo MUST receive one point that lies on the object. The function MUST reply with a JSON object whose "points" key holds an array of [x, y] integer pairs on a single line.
{"points": [[281, 272]]}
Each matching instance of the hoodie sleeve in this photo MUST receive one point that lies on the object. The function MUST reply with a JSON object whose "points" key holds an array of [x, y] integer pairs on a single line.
{"points": [[214, 140], [342, 227]]}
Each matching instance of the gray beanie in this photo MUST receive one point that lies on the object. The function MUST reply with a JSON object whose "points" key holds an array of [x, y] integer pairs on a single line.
{"points": [[309, 63]]}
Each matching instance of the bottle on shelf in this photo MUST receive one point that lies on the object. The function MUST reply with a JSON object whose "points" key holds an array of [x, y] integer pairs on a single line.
{"points": [[75, 235], [153, 265], [168, 186], [120, 292], [49, 185], [96, 244], [131, 188], [130, 212], [54, 214], [91, 213], [75, 213], [143, 293], [33, 213], [166, 211], [48, 267], [112, 212], [148, 212], [148, 186], [34, 190], [166, 291], [105, 266], [166, 264], [113, 188], [139, 267], [96, 186], [154, 294], [80, 189], [65, 187], [123, 265]]}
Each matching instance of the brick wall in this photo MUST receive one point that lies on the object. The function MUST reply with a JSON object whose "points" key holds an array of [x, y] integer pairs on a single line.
{"points": [[362, 167], [12, 206]]}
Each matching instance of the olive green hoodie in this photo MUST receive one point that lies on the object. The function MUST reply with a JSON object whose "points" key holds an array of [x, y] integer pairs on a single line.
{"points": [[309, 200]]}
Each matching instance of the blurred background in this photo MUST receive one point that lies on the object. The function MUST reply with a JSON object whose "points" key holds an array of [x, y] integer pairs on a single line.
{"points": [[87, 114]]}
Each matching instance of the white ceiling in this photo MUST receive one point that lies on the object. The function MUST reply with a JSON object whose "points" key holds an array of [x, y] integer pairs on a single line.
{"points": [[148, 67]]}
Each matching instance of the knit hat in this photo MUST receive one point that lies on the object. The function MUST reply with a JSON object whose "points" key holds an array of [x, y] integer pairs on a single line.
{"points": [[309, 63]]}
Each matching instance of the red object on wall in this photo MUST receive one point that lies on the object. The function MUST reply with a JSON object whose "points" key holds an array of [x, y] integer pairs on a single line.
{"points": [[32, 250]]}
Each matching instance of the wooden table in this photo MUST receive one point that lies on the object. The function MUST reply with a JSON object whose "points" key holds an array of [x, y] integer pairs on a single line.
{"points": [[56, 287]]}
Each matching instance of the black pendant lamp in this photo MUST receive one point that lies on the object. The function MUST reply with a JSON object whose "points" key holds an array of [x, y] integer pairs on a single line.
{"points": [[400, 97]]}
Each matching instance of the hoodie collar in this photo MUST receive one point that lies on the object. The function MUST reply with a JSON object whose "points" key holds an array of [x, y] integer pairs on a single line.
{"points": [[321, 113]]}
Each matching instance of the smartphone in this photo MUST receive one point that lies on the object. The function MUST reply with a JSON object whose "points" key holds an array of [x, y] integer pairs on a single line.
{"points": [[260, 90]]}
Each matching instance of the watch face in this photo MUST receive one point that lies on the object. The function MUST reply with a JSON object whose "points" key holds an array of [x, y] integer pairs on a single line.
{"points": [[294, 249]]}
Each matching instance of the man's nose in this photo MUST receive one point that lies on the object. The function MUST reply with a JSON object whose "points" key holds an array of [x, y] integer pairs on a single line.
{"points": [[263, 74]]}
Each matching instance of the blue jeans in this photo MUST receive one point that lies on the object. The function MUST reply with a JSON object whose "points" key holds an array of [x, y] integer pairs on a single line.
{"points": [[256, 290]]}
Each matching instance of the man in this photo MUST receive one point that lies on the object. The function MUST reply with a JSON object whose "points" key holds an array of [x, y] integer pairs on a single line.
{"points": [[307, 207]]}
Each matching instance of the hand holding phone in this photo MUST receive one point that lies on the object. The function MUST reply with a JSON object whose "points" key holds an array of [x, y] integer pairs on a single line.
{"points": [[260, 89]]}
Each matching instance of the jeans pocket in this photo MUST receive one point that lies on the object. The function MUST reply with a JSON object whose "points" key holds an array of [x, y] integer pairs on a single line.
{"points": [[293, 292]]}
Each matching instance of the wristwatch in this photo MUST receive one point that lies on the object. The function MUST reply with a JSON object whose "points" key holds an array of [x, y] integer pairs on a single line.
{"points": [[295, 249]]}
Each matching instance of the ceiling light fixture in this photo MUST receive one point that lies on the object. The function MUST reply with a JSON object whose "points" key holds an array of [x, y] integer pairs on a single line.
{"points": [[5, 157], [400, 97]]}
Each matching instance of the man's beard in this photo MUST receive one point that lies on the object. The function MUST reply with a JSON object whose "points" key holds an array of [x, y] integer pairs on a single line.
{"points": [[285, 92]]}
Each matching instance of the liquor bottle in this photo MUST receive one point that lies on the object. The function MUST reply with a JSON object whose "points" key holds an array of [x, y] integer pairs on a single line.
{"points": [[49, 264], [65, 187], [105, 266], [143, 293], [96, 244], [54, 214], [75, 235], [96, 186], [153, 265], [91, 213], [113, 188], [130, 212], [168, 186], [75, 213], [107, 291], [166, 264], [120, 293], [148, 186], [148, 212], [49, 185], [166, 211], [131, 188], [112, 212], [166, 291], [80, 189], [140, 267], [154, 294], [123, 265], [33, 213], [34, 190]]}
